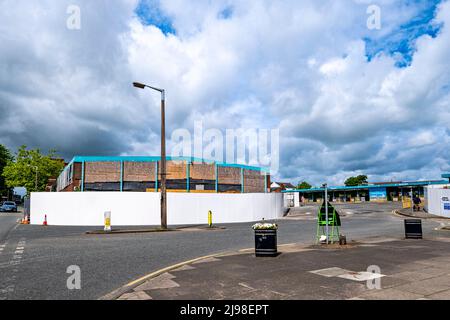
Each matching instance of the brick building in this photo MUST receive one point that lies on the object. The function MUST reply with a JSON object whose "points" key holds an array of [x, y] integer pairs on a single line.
{"points": [[142, 174]]}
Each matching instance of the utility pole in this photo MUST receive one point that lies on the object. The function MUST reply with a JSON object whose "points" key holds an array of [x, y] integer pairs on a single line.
{"points": [[326, 210], [163, 163]]}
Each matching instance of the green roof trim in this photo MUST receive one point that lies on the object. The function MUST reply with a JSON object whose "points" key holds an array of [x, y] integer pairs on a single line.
{"points": [[154, 159]]}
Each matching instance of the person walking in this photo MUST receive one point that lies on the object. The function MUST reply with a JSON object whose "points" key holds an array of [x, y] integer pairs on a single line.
{"points": [[417, 202]]}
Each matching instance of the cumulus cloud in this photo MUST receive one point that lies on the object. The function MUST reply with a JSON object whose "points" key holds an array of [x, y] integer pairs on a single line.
{"points": [[313, 69]]}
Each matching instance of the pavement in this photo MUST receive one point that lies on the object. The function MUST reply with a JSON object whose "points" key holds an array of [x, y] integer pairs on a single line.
{"points": [[420, 214], [371, 269], [34, 259]]}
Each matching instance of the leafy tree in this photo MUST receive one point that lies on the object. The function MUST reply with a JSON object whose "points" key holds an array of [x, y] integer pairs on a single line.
{"points": [[32, 165], [304, 185], [5, 158], [356, 181]]}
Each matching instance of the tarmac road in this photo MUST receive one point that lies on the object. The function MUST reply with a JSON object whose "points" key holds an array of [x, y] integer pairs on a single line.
{"points": [[8, 221], [34, 260]]}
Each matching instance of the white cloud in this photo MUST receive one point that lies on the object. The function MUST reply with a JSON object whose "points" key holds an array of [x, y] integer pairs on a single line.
{"points": [[297, 65]]}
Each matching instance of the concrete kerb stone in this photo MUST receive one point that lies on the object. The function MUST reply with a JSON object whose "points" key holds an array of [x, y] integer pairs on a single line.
{"points": [[101, 232], [151, 230], [443, 221], [427, 216], [116, 294]]}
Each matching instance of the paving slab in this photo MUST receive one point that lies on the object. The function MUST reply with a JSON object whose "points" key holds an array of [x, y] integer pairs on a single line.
{"points": [[163, 281], [428, 286], [423, 274], [390, 294], [141, 295], [443, 295], [408, 271]]}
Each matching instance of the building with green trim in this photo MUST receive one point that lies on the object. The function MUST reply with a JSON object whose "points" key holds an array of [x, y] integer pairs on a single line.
{"points": [[142, 174], [385, 191]]}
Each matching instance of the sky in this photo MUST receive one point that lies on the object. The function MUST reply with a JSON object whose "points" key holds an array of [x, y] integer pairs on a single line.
{"points": [[347, 99]]}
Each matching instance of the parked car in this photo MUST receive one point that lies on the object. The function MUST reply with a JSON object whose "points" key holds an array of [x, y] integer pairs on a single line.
{"points": [[8, 206]]}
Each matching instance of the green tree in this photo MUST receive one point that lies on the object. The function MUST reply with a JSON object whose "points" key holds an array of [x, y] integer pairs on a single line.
{"points": [[356, 181], [5, 158], [30, 166], [304, 185]]}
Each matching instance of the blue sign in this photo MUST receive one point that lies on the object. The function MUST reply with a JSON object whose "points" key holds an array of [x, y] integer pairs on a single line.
{"points": [[377, 193]]}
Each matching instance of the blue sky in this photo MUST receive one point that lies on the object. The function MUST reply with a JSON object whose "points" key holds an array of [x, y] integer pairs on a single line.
{"points": [[347, 100], [401, 41], [149, 13]]}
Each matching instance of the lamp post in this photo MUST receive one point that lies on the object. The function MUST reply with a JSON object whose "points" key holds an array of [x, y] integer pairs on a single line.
{"points": [[326, 209], [163, 152], [36, 179], [36, 176]]}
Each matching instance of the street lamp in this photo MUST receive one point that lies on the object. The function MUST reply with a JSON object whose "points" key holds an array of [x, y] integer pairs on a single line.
{"points": [[36, 176], [163, 152], [36, 179]]}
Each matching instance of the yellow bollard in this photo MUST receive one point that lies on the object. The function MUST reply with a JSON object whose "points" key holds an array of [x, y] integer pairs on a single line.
{"points": [[210, 218], [107, 216]]}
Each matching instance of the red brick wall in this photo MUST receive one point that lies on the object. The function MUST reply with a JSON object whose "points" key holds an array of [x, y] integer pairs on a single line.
{"points": [[229, 175], [202, 171], [253, 181], [101, 172], [176, 170], [139, 171]]}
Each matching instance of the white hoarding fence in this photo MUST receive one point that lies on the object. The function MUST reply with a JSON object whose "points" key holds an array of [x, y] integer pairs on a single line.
{"points": [[438, 200], [140, 208]]}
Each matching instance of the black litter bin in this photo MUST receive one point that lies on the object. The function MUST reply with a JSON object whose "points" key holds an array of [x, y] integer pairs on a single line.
{"points": [[266, 243], [413, 229]]}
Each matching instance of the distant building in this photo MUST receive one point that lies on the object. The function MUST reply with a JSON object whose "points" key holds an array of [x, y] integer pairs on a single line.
{"points": [[446, 176], [143, 174], [281, 186], [379, 191]]}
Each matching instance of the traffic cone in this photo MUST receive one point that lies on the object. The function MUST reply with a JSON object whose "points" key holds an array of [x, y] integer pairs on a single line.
{"points": [[45, 221]]}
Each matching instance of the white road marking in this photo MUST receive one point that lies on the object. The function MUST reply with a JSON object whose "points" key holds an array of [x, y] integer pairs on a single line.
{"points": [[347, 274], [10, 285], [361, 276], [330, 272]]}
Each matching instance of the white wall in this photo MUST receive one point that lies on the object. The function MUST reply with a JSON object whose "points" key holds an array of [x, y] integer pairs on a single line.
{"points": [[434, 203], [140, 208]]}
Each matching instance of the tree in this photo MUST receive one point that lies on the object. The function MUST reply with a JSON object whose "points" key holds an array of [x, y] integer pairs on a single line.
{"points": [[356, 181], [304, 185], [30, 167], [5, 158]]}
